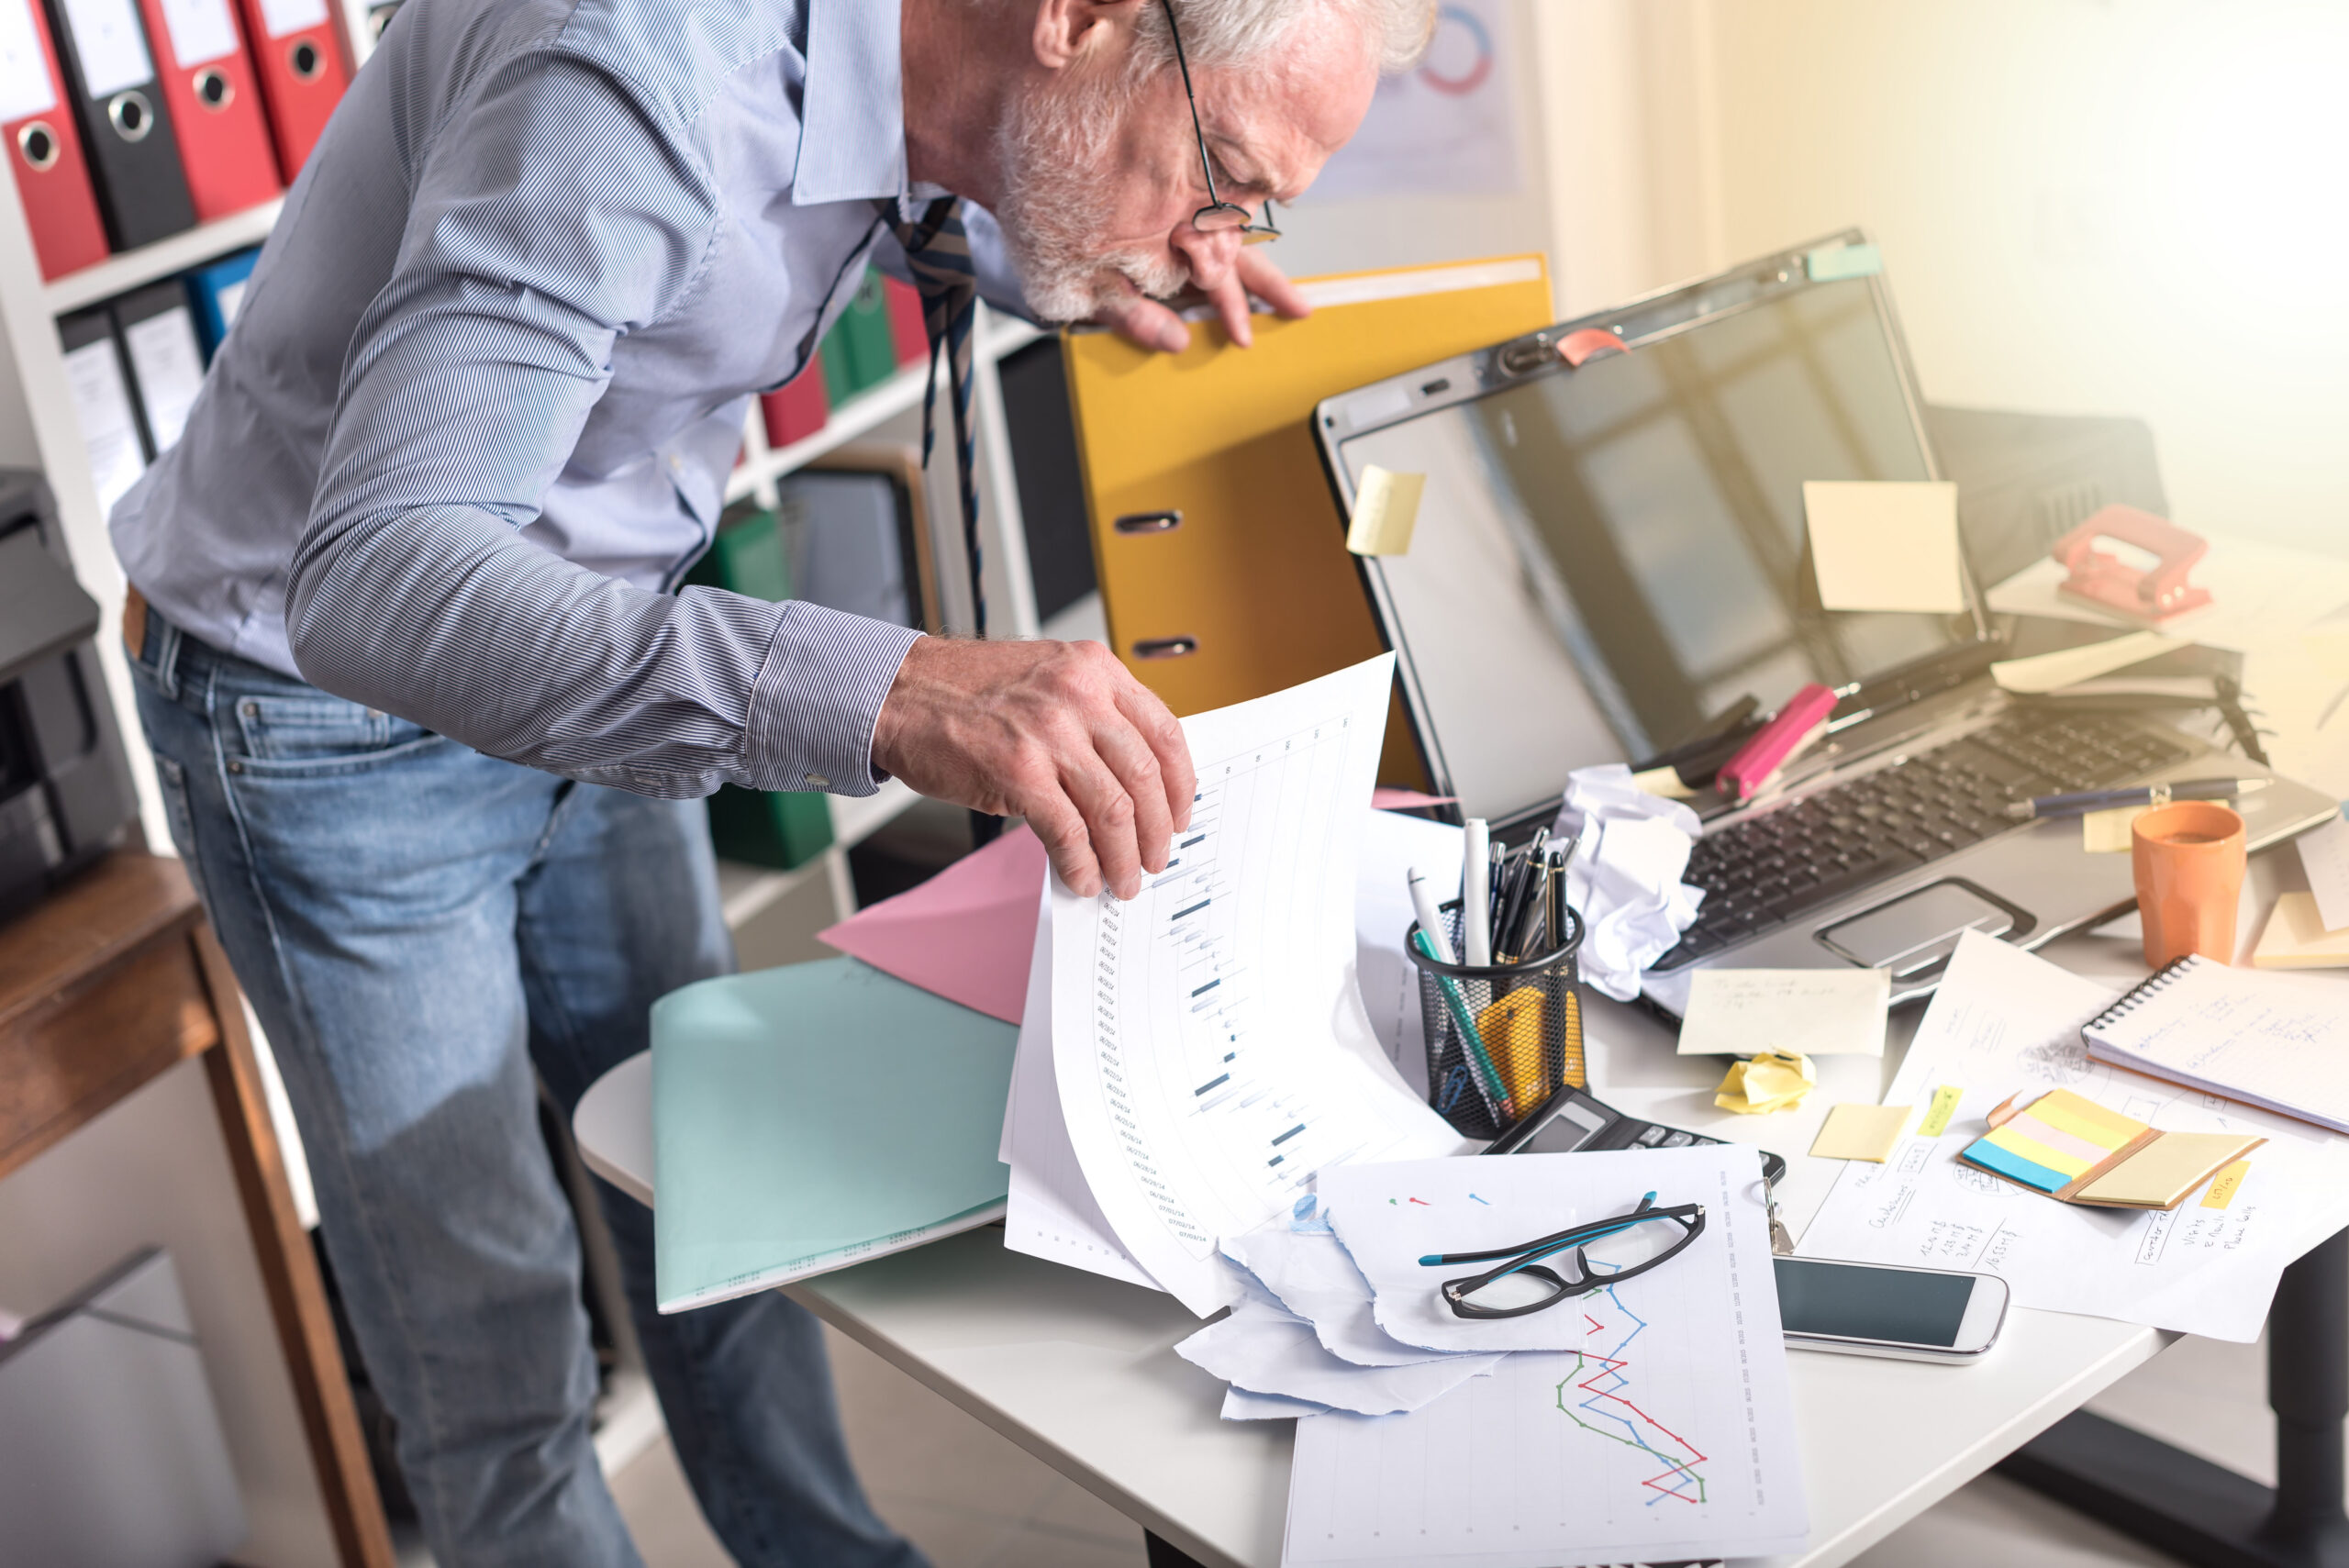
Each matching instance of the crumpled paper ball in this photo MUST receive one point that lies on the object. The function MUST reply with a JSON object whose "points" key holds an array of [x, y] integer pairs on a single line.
{"points": [[1769, 1081], [1631, 848]]}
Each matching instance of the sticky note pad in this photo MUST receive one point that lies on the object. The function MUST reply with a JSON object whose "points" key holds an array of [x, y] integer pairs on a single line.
{"points": [[2161, 1175], [2107, 832], [1511, 1030], [1861, 1132], [1820, 1012], [2295, 938], [2223, 1184], [2324, 855], [2053, 1141], [1884, 546], [1387, 507]]}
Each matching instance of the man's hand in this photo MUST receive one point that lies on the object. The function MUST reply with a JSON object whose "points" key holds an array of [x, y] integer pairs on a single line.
{"points": [[1057, 732], [1150, 323]]}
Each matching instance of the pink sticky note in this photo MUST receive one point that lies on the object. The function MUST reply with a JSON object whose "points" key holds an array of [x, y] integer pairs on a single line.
{"points": [[966, 934], [1393, 798]]}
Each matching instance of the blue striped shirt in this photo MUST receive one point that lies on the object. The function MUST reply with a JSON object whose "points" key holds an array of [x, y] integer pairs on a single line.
{"points": [[476, 415]]}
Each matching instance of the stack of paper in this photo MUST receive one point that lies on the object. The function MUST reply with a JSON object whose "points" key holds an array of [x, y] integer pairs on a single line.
{"points": [[1189, 1061], [1640, 1421]]}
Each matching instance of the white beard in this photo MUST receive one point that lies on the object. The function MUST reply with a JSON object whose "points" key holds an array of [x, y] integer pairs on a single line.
{"points": [[1057, 202]]}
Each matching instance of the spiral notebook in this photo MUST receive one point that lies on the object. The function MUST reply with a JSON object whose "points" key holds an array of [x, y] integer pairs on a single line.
{"points": [[2267, 1039]]}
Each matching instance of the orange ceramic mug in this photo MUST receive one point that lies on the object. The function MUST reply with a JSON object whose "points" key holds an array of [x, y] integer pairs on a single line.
{"points": [[2189, 858]]}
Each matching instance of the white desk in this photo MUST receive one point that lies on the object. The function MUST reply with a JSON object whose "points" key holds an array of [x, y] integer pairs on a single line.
{"points": [[1078, 1369]]}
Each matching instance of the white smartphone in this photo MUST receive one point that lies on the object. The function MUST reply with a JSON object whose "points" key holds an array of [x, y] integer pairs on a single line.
{"points": [[1881, 1309]]}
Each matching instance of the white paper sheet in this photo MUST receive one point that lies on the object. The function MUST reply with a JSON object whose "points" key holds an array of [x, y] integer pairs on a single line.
{"points": [[2324, 856], [1667, 1433], [1391, 1216], [1238, 1405], [1208, 1041], [1820, 1012], [1049, 1212], [2004, 1023], [1299, 1259], [1263, 1349]]}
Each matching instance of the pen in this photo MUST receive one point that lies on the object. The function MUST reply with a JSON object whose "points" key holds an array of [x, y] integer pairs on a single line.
{"points": [[1430, 918], [1471, 1043], [1477, 894], [2085, 801], [1517, 884]]}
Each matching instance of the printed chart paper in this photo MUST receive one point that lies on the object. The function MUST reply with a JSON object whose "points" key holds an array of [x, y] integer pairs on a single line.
{"points": [[1211, 1049], [2003, 1023], [1667, 1433]]}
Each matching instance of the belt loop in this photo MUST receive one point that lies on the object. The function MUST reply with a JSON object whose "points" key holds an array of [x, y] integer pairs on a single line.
{"points": [[153, 641]]}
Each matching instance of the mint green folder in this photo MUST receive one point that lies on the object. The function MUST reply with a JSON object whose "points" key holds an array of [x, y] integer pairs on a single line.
{"points": [[811, 1116]]}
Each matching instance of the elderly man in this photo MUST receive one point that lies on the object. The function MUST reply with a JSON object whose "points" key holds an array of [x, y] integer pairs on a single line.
{"points": [[429, 708]]}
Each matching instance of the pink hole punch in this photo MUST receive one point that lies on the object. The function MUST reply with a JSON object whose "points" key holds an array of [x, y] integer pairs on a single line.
{"points": [[2102, 579]]}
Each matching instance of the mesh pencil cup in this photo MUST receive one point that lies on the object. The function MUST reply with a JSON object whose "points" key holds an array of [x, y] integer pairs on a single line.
{"points": [[1502, 1039]]}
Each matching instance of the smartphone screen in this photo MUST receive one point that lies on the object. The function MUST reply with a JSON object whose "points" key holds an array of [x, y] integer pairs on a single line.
{"points": [[1853, 1301]]}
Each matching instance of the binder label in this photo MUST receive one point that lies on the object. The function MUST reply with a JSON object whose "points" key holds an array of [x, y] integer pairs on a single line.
{"points": [[113, 50], [200, 30], [284, 16], [25, 86]]}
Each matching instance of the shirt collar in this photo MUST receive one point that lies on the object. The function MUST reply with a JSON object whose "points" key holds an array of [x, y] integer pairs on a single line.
{"points": [[851, 109]]}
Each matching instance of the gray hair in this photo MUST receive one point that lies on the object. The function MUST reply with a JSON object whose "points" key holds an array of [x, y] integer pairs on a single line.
{"points": [[1228, 35]]}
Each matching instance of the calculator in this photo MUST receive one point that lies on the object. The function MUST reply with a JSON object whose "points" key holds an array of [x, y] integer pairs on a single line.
{"points": [[1570, 1121]]}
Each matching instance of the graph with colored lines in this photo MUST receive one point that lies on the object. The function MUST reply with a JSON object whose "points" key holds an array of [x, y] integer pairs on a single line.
{"points": [[1601, 1397], [1665, 1433]]}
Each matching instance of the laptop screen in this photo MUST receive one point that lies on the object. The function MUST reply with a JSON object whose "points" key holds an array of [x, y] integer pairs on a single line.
{"points": [[1605, 559]]}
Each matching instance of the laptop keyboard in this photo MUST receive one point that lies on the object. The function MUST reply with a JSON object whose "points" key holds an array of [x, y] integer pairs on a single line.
{"points": [[1772, 867]]}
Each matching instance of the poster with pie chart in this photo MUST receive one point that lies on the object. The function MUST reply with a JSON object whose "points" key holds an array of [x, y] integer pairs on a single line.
{"points": [[1446, 127]]}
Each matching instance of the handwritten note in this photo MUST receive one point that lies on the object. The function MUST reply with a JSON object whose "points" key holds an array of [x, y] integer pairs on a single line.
{"points": [[1387, 507], [1886, 546], [1820, 1012], [2324, 855]]}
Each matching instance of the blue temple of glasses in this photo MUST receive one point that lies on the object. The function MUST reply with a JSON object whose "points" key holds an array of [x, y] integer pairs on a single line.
{"points": [[1577, 1238]]}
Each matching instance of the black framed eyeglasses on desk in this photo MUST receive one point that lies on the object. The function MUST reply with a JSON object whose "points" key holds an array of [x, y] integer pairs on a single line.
{"points": [[1652, 1236], [1218, 216]]}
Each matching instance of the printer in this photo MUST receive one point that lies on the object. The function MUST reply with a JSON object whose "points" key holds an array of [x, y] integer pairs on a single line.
{"points": [[65, 792]]}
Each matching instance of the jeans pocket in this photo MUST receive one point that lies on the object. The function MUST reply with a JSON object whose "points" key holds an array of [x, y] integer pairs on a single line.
{"points": [[170, 780], [318, 733]]}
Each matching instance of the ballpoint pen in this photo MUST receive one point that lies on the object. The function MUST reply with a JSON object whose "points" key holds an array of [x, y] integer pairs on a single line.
{"points": [[2085, 801]]}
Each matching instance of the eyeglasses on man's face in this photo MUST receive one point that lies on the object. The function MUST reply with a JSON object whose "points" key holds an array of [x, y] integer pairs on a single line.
{"points": [[1218, 216]]}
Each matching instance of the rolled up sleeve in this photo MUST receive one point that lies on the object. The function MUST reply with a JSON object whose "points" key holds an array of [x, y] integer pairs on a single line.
{"points": [[563, 217]]}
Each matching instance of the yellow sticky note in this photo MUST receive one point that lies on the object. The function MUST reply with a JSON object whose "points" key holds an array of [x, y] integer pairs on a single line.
{"points": [[2107, 832], [2164, 1171], [2295, 938], [2223, 1184], [1665, 781], [1387, 506], [1772, 1080], [1937, 1114], [1861, 1132], [1511, 1030], [1886, 546]]}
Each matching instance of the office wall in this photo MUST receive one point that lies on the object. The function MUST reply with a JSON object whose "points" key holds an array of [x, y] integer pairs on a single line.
{"points": [[2086, 205]]}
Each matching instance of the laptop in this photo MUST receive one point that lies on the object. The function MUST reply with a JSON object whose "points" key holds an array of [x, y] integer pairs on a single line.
{"points": [[1611, 559]]}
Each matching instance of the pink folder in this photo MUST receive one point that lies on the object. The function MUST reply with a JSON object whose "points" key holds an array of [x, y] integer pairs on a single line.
{"points": [[966, 934]]}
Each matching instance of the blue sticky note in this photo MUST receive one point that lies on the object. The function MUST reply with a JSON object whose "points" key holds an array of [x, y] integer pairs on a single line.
{"points": [[809, 1116], [1833, 262], [2013, 1166]]}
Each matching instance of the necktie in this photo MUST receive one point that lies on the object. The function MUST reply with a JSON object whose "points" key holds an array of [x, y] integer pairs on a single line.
{"points": [[939, 253]]}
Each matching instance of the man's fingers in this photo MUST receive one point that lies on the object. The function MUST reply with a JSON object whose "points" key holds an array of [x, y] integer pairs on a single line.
{"points": [[1109, 813], [1134, 761], [1145, 323], [1067, 843], [1230, 297], [1264, 278], [1164, 733]]}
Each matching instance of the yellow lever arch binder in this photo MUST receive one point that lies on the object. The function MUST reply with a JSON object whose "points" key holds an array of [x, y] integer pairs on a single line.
{"points": [[1221, 553]]}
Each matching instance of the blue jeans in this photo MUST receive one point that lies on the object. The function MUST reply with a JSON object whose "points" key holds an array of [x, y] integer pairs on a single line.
{"points": [[427, 933]]}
